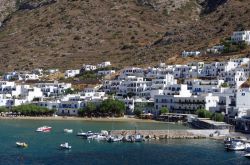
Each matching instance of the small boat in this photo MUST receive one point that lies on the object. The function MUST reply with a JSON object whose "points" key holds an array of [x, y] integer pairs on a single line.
{"points": [[68, 130], [21, 144], [65, 146], [114, 138], [44, 129], [101, 137], [85, 135], [129, 138], [236, 145], [138, 138], [92, 137], [247, 155]]}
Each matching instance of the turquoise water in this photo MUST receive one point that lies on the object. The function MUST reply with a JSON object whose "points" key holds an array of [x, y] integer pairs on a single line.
{"points": [[43, 147]]}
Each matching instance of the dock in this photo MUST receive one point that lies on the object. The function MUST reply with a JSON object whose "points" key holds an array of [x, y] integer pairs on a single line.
{"points": [[174, 134]]}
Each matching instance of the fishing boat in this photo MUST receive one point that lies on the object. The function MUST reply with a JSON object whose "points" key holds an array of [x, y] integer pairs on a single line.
{"points": [[236, 145], [101, 137], [128, 138], [65, 146], [85, 135], [44, 129], [114, 139], [138, 138], [92, 137], [68, 130], [21, 144]]}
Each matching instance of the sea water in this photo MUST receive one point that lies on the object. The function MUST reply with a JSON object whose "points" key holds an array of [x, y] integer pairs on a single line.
{"points": [[44, 149]]}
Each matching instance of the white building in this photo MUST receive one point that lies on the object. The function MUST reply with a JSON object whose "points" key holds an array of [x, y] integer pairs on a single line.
{"points": [[185, 102], [190, 53], [88, 67], [241, 36], [53, 89], [242, 102], [71, 73], [104, 64], [105, 72], [216, 49]]}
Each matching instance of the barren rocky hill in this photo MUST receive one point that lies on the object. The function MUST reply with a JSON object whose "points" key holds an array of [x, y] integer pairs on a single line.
{"points": [[68, 33]]}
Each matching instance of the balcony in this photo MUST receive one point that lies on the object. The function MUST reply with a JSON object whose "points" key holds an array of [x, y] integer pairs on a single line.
{"points": [[191, 102]]}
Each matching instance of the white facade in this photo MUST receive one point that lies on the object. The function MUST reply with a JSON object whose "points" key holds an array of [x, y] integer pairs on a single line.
{"points": [[53, 89], [105, 72], [190, 53], [89, 67], [185, 102], [242, 102], [104, 64], [71, 73], [241, 36]]}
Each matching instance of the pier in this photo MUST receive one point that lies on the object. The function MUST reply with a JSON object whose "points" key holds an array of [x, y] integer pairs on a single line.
{"points": [[173, 134]]}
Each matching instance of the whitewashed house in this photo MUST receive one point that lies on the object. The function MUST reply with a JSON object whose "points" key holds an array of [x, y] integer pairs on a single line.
{"points": [[185, 102], [241, 36], [53, 89], [52, 71], [217, 49], [190, 53], [104, 64], [28, 76], [88, 67], [105, 72], [71, 73], [133, 71]]}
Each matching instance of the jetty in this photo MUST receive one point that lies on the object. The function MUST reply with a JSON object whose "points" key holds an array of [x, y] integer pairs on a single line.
{"points": [[174, 134]]}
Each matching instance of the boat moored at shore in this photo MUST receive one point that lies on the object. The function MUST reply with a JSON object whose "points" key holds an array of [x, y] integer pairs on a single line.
{"points": [[44, 129]]}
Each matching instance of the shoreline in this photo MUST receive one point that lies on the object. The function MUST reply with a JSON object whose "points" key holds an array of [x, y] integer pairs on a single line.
{"points": [[111, 119], [73, 118]]}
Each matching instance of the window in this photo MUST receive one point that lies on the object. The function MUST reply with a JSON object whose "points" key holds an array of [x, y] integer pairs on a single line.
{"points": [[243, 94]]}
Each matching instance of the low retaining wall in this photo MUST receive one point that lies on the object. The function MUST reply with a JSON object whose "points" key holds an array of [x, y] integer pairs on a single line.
{"points": [[172, 134]]}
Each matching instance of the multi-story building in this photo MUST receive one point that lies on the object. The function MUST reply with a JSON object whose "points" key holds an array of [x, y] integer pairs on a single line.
{"points": [[241, 36]]}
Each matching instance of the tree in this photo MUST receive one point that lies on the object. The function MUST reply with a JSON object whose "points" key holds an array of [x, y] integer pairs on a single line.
{"points": [[164, 110], [81, 112], [115, 107], [90, 108], [217, 117], [137, 113], [32, 110], [224, 85], [68, 91], [3, 109], [203, 113]]}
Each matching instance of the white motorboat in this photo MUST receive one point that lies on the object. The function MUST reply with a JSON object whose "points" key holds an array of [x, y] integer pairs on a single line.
{"points": [[114, 138], [101, 137], [92, 137], [86, 134], [44, 129], [247, 155], [68, 130], [236, 145], [21, 144], [65, 146], [138, 138], [129, 138]]}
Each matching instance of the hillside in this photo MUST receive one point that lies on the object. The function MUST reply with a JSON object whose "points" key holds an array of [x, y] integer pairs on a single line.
{"points": [[68, 33]]}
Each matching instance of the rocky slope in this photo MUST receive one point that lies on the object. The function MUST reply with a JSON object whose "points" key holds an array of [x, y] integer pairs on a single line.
{"points": [[68, 33]]}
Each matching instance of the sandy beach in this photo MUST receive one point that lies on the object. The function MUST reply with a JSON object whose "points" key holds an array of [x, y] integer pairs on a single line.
{"points": [[72, 118]]}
